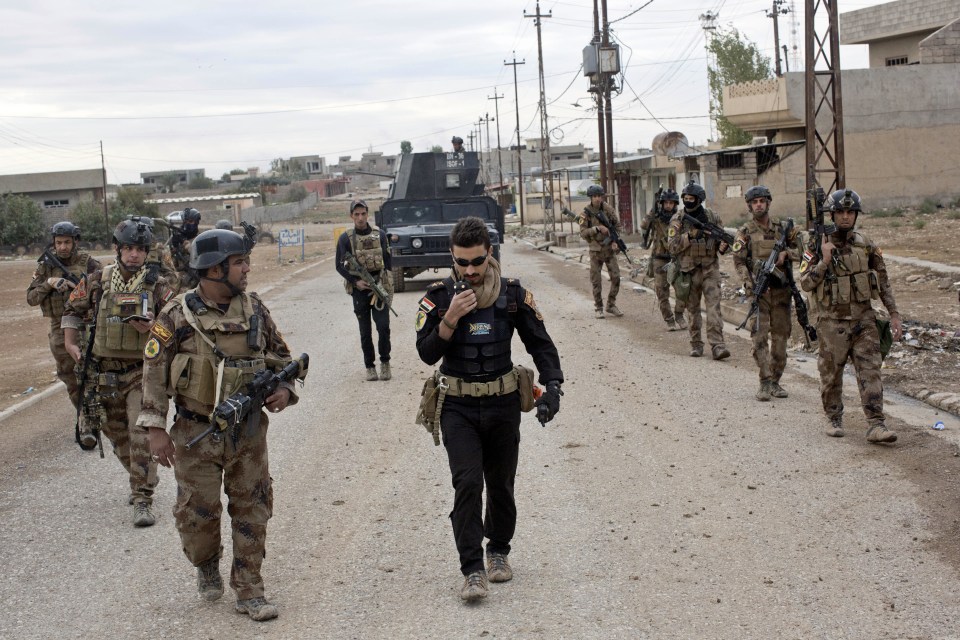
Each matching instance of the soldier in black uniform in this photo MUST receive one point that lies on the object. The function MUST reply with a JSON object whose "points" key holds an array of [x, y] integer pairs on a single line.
{"points": [[470, 324]]}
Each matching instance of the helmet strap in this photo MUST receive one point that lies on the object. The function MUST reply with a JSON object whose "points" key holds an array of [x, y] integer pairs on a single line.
{"points": [[225, 269]]}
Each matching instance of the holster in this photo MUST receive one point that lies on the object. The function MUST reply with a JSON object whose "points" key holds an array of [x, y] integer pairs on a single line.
{"points": [[427, 412]]}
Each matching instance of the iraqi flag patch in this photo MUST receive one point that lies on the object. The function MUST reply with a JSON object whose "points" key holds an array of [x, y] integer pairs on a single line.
{"points": [[427, 305]]}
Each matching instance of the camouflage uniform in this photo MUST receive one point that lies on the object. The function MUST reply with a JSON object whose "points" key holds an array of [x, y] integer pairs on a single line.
{"points": [[841, 295], [179, 363], [750, 250], [660, 257], [118, 358], [51, 303], [697, 254], [602, 252]]}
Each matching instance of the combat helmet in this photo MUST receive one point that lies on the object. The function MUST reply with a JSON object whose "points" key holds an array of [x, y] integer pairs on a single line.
{"points": [[212, 247], [65, 228], [135, 232], [594, 190], [669, 195], [758, 191], [843, 200]]}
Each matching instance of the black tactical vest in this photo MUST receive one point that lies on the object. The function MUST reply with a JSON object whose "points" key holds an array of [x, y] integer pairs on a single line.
{"points": [[480, 349]]}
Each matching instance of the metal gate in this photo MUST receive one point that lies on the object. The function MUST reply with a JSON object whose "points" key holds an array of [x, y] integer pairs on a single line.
{"points": [[625, 202]]}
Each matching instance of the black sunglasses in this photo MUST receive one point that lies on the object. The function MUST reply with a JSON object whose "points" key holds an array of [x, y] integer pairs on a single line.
{"points": [[476, 262]]}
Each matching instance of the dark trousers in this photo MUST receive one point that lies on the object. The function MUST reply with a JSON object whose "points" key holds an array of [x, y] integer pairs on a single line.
{"points": [[381, 317], [482, 438]]}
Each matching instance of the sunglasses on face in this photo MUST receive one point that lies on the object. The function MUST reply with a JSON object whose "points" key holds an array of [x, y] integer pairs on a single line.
{"points": [[476, 262]]}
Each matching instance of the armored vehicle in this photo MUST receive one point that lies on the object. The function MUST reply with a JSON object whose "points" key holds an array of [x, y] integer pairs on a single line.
{"points": [[430, 193]]}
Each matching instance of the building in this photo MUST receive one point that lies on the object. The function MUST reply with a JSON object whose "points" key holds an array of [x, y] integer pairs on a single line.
{"points": [[315, 166], [184, 177], [56, 191], [905, 32]]}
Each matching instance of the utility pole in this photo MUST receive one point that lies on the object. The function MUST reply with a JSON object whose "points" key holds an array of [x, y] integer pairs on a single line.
{"points": [[786, 59], [708, 22], [496, 116], [473, 134], [516, 99], [486, 119], [824, 144], [777, 11], [597, 90], [546, 192], [608, 105], [103, 170]]}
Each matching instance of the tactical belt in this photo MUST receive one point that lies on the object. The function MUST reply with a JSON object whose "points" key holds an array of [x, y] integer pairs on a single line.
{"points": [[507, 383], [663, 256], [119, 367], [186, 414]]}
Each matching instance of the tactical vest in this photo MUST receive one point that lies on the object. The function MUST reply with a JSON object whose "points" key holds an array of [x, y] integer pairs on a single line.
{"points": [[116, 339], [52, 305], [761, 247], [240, 352], [594, 218], [480, 345], [367, 250], [703, 249], [855, 282]]}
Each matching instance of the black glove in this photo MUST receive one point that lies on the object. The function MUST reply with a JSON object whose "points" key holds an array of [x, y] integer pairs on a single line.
{"points": [[549, 403]]}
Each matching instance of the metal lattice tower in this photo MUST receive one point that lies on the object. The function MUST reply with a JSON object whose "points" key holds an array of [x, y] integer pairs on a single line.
{"points": [[708, 22]]}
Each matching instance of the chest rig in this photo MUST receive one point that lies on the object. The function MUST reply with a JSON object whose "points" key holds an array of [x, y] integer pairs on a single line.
{"points": [[853, 280], [116, 339], [52, 305], [481, 342], [367, 250], [222, 355], [760, 247], [703, 248]]}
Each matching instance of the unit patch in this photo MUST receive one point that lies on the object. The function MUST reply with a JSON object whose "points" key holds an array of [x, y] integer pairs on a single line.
{"points": [[480, 328], [421, 319], [737, 246], [80, 291], [161, 333], [152, 349], [529, 301], [426, 304], [672, 232]]}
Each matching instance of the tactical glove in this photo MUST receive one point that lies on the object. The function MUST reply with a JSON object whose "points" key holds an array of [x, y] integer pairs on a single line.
{"points": [[549, 403], [60, 284]]}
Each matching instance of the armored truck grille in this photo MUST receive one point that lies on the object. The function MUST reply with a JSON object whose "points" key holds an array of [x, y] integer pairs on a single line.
{"points": [[436, 244]]}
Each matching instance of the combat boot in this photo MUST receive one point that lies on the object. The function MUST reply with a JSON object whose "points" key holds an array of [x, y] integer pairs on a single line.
{"points": [[763, 394], [696, 351], [777, 391], [720, 352], [498, 568], [878, 432], [209, 582], [681, 321], [474, 586], [614, 311], [385, 371], [836, 427], [672, 325], [372, 374], [598, 312], [143, 515], [257, 608]]}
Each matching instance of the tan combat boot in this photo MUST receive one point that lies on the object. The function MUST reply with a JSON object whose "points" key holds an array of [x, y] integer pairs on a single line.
{"points": [[681, 321], [720, 352], [672, 325], [836, 427], [878, 433], [474, 586], [143, 515], [385, 373], [257, 608], [598, 312], [614, 311], [209, 582], [498, 568], [777, 391], [763, 394], [696, 351], [372, 374]]}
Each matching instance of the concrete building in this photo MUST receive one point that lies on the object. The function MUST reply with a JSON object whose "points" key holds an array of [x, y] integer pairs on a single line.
{"points": [[367, 172], [905, 32], [315, 166], [56, 191], [184, 177]]}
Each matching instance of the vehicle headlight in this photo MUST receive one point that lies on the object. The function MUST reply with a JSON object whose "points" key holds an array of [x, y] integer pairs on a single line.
{"points": [[417, 243], [394, 238]]}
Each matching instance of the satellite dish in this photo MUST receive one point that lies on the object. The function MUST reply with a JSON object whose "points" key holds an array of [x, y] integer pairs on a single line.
{"points": [[670, 143]]}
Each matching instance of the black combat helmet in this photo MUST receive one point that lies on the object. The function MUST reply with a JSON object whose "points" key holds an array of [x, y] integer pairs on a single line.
{"points": [[844, 200], [758, 191], [212, 247], [669, 195], [594, 190], [190, 215], [135, 232], [695, 190], [224, 224], [65, 228], [457, 140]]}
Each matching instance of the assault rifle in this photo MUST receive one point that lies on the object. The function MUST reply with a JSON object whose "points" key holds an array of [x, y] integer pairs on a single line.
{"points": [[658, 210], [367, 277], [246, 404], [815, 199], [762, 281], [715, 231], [252, 233], [801, 306], [89, 403], [51, 260]]}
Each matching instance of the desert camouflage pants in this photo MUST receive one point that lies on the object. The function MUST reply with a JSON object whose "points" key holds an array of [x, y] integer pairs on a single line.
{"points": [[662, 288], [858, 340], [597, 259], [705, 281], [66, 367], [130, 443], [775, 324], [244, 473]]}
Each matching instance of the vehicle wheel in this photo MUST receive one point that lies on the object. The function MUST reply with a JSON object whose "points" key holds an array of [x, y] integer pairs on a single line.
{"points": [[398, 284]]}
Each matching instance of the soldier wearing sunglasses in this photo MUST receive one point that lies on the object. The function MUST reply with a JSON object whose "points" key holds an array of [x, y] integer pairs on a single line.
{"points": [[467, 321]]}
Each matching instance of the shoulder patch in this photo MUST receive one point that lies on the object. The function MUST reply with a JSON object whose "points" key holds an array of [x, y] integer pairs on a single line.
{"points": [[426, 304], [804, 265], [421, 319], [672, 232], [80, 291], [737, 246], [161, 332], [152, 349], [529, 301]]}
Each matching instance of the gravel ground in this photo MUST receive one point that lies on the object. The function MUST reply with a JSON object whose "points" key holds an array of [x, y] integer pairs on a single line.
{"points": [[663, 502]]}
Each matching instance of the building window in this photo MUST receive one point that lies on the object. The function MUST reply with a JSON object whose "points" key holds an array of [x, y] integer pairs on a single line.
{"points": [[55, 204], [730, 161], [893, 62], [313, 167]]}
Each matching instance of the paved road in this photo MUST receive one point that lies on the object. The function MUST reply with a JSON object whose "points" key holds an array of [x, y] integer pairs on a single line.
{"points": [[664, 502]]}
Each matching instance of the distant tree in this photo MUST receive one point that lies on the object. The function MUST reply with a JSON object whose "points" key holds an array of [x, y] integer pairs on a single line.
{"points": [[406, 147], [225, 177], [236, 172], [170, 181], [289, 169], [200, 182], [132, 201], [88, 216], [738, 60], [297, 193], [21, 221], [436, 149]]}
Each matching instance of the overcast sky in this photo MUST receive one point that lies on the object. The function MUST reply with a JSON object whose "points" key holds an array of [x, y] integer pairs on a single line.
{"points": [[221, 85]]}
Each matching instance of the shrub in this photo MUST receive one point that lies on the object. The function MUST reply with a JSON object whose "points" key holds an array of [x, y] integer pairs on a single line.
{"points": [[21, 221], [919, 224], [896, 212], [929, 205], [93, 228], [953, 215], [297, 193]]}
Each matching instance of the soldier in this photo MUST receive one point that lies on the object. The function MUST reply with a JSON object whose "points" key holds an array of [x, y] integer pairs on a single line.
{"points": [[124, 304], [656, 225], [224, 224], [457, 142], [697, 254], [369, 247], [753, 245], [178, 249], [205, 346], [471, 330], [602, 250], [842, 284], [49, 289]]}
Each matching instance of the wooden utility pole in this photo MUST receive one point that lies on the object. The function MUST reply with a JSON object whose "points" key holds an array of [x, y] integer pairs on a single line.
{"points": [[597, 89], [496, 116], [516, 99], [777, 11], [103, 170], [610, 188], [546, 191], [473, 134]]}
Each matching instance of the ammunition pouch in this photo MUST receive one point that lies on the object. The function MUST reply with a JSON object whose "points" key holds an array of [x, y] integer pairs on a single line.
{"points": [[681, 282], [427, 412], [886, 337], [525, 382]]}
